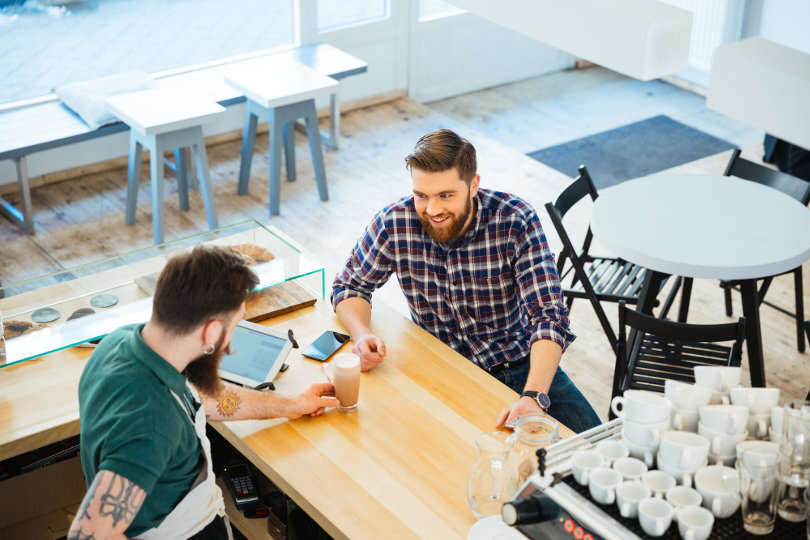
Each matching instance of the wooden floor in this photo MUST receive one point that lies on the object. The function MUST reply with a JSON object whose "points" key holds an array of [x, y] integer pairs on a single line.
{"points": [[82, 220]]}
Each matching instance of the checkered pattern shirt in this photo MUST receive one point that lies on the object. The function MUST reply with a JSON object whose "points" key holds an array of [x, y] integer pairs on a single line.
{"points": [[489, 294]]}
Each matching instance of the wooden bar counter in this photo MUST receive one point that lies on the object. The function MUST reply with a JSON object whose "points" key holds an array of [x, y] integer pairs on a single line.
{"points": [[396, 468]]}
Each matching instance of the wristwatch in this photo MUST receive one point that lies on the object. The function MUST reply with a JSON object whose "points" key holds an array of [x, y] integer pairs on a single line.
{"points": [[541, 398]]}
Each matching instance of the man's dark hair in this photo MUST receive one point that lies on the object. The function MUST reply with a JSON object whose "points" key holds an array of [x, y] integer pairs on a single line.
{"points": [[441, 151], [196, 287]]}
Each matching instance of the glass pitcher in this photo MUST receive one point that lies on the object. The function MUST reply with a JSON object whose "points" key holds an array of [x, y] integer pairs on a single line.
{"points": [[493, 480], [531, 432]]}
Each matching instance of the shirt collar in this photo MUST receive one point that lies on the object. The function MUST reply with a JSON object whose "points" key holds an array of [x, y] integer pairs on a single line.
{"points": [[163, 370]]}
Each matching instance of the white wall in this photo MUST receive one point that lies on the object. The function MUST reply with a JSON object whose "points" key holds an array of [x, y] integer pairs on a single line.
{"points": [[786, 22]]}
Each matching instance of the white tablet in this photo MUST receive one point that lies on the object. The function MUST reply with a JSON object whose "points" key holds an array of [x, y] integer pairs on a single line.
{"points": [[257, 354]]}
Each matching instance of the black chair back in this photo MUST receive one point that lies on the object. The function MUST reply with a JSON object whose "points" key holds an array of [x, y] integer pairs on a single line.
{"points": [[664, 350], [748, 170]]}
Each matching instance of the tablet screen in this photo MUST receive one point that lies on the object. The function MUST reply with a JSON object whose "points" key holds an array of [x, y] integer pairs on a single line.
{"points": [[253, 354]]}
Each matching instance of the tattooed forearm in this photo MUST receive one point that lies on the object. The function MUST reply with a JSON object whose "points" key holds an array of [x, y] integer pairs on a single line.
{"points": [[84, 509], [121, 501], [228, 404]]}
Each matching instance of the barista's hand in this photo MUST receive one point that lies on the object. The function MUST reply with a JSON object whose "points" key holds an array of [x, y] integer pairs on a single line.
{"points": [[521, 407], [370, 349], [313, 401]]}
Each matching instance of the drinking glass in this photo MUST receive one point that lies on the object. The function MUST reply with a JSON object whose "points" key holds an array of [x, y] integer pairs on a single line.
{"points": [[531, 433], [794, 461], [758, 494]]}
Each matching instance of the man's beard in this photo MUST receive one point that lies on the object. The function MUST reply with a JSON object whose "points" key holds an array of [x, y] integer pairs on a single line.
{"points": [[448, 232], [203, 371]]}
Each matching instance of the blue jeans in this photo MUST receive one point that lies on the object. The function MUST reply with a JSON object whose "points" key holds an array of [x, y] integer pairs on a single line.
{"points": [[568, 405]]}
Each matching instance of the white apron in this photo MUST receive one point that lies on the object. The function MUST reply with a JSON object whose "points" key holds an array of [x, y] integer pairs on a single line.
{"points": [[203, 502]]}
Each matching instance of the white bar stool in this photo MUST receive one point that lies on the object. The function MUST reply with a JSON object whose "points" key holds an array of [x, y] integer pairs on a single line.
{"points": [[280, 94], [162, 120]]}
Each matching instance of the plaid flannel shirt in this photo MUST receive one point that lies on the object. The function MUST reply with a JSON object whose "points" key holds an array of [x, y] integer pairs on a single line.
{"points": [[489, 294]]}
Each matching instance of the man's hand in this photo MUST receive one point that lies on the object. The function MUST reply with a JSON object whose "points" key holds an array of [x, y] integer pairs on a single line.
{"points": [[313, 401], [521, 407], [370, 349]]}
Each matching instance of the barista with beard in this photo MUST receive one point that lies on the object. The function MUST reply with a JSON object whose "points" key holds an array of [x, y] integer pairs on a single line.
{"points": [[145, 395], [477, 273]]}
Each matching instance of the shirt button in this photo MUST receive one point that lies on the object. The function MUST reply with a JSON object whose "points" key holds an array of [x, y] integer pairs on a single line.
{"points": [[455, 283]]}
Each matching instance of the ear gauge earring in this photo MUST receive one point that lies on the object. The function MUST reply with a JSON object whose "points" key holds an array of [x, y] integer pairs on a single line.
{"points": [[208, 349]]}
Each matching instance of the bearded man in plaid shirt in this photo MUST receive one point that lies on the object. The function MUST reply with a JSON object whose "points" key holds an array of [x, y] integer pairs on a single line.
{"points": [[477, 273]]}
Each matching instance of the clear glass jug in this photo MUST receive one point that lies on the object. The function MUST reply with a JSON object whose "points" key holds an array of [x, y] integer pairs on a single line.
{"points": [[531, 432], [493, 480]]}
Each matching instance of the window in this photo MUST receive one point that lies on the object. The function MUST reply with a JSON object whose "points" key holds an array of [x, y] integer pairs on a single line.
{"points": [[45, 46], [339, 13], [433, 9]]}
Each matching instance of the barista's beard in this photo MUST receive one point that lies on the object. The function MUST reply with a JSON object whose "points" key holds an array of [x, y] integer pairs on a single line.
{"points": [[203, 372]]}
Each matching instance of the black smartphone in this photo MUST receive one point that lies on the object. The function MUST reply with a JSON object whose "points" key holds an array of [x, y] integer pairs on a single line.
{"points": [[326, 345]]}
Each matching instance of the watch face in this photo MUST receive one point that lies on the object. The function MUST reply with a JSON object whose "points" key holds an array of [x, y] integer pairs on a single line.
{"points": [[543, 400]]}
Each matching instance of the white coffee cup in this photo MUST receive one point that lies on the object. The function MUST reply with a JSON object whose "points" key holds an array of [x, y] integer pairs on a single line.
{"points": [[758, 425], [612, 450], [628, 495], [777, 419], [344, 372], [644, 434], [695, 523], [583, 462], [658, 481], [685, 419], [686, 396], [758, 453], [603, 483], [638, 451], [720, 487], [630, 468], [774, 436], [683, 449], [724, 418], [757, 400], [722, 444], [681, 497], [721, 378], [641, 406], [681, 476], [655, 516]]}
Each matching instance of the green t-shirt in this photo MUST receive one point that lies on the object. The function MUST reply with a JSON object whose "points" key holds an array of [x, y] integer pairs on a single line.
{"points": [[132, 425]]}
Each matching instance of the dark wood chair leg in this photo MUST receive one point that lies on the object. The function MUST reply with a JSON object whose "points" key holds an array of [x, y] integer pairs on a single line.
{"points": [[727, 297], [686, 296], [799, 290]]}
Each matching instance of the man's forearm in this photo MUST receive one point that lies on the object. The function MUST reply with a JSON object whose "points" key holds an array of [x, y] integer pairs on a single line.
{"points": [[238, 403], [545, 356], [354, 314]]}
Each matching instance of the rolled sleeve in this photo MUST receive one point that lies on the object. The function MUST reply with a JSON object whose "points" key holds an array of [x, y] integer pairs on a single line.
{"points": [[539, 287], [368, 267]]}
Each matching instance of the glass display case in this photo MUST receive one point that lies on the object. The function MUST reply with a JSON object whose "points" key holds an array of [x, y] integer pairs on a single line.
{"points": [[82, 304]]}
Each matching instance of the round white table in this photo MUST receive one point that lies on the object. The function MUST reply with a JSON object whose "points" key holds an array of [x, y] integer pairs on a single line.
{"points": [[705, 226]]}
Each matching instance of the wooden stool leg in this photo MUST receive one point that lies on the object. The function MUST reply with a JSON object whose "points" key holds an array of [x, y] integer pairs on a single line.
{"points": [[133, 178], [156, 161], [289, 149], [248, 141], [204, 176], [182, 176], [276, 137], [314, 136]]}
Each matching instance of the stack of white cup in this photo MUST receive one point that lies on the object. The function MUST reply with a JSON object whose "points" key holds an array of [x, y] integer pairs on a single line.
{"points": [[645, 415], [760, 402], [724, 426], [686, 400], [720, 379], [681, 454]]}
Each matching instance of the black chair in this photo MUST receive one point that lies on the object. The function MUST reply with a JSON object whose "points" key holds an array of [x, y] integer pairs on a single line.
{"points": [[662, 350], [798, 189], [599, 279]]}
